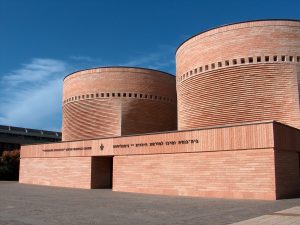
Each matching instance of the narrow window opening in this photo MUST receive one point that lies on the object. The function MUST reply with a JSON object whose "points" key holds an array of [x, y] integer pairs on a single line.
{"points": [[282, 58], [129, 94], [234, 61], [150, 96], [298, 58], [195, 70], [206, 67], [102, 95], [155, 97], [267, 58], [75, 97], [113, 94], [78, 97], [119, 94], [212, 65], [219, 64], [250, 60], [146, 96], [107, 94], [135, 95], [200, 69], [141, 95], [191, 72], [291, 58], [258, 59], [87, 96], [275, 58], [124, 94], [92, 95], [226, 63], [82, 96], [242, 61], [97, 95]]}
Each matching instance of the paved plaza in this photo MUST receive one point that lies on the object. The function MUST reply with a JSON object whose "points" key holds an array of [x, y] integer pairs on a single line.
{"points": [[40, 205]]}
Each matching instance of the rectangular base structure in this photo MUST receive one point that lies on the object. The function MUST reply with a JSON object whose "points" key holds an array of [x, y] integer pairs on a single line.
{"points": [[243, 161]]}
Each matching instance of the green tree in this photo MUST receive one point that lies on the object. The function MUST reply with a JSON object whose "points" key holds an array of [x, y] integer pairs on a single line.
{"points": [[9, 165]]}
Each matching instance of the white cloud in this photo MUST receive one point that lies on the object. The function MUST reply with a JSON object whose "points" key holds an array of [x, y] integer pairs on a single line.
{"points": [[37, 71], [31, 96]]}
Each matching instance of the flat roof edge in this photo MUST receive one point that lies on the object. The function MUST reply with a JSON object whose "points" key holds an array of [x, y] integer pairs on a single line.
{"points": [[229, 24], [177, 131], [116, 67]]}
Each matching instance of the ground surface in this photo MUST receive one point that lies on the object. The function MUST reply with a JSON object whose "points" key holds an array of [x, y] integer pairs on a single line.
{"points": [[39, 205]]}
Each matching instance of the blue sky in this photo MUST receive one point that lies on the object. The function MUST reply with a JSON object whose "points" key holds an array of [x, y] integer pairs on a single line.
{"points": [[42, 41]]}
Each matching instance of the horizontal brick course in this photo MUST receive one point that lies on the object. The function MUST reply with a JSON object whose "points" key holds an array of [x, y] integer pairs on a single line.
{"points": [[149, 105], [245, 92], [228, 79], [74, 172], [229, 162], [233, 174]]}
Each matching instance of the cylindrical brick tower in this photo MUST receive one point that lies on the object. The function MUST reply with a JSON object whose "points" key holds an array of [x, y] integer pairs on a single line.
{"points": [[237, 73], [114, 101]]}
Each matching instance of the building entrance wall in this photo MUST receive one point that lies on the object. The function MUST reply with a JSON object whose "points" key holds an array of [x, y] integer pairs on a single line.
{"points": [[245, 161]]}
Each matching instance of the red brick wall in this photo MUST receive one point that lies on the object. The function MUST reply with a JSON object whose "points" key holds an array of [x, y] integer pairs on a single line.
{"points": [[149, 104], [247, 94], [63, 172], [245, 174], [252, 87]]}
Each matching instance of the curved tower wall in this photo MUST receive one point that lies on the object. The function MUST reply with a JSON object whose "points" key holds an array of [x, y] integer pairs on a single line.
{"points": [[240, 73], [105, 102]]}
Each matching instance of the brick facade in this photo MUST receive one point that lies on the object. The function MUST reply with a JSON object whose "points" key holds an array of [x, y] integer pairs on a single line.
{"points": [[232, 83], [240, 73], [74, 172], [115, 101], [239, 161], [225, 174]]}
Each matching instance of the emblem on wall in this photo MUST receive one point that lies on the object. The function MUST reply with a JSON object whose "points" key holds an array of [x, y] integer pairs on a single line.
{"points": [[101, 147]]}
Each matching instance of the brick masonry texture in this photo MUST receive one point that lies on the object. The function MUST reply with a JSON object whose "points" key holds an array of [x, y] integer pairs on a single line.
{"points": [[253, 87], [229, 174], [72, 172], [232, 83], [247, 161], [116, 101]]}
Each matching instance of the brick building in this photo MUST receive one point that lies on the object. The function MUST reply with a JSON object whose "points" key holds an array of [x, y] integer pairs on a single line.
{"points": [[237, 114]]}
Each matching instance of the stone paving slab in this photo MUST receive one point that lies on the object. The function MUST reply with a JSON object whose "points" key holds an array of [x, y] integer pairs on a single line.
{"points": [[22, 204], [289, 216]]}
